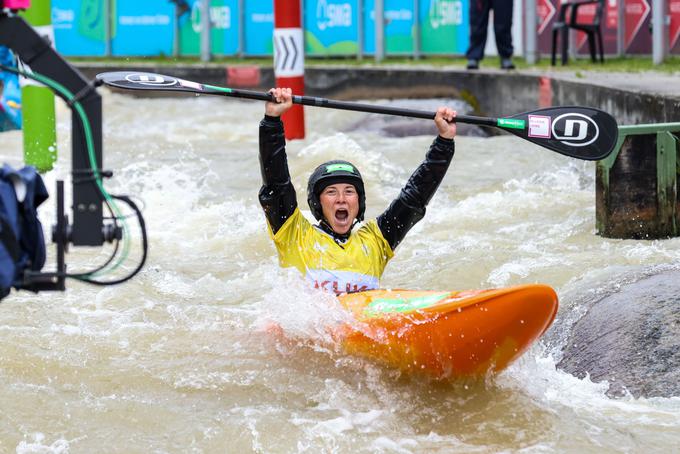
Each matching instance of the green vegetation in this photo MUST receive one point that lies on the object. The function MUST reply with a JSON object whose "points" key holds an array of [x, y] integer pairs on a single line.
{"points": [[619, 64]]}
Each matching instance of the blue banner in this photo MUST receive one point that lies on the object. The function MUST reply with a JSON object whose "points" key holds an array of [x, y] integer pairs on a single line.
{"points": [[143, 28], [399, 26], [444, 26], [331, 27], [79, 27], [259, 27], [224, 33]]}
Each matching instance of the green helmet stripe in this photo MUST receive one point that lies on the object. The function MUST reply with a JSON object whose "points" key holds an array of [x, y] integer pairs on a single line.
{"points": [[339, 167]]}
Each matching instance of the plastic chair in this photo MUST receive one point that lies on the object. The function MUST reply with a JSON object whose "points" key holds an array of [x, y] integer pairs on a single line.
{"points": [[592, 30]]}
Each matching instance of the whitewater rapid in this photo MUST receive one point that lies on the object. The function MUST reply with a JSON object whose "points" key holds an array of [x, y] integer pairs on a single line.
{"points": [[180, 359]]}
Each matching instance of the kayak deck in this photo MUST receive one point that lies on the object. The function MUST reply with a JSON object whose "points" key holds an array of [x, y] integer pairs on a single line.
{"points": [[447, 334]]}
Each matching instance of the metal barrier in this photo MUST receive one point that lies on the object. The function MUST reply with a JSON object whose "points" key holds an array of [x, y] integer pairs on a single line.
{"points": [[637, 185]]}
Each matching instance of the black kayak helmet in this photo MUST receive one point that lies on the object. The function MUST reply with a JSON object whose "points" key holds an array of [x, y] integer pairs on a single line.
{"points": [[332, 172]]}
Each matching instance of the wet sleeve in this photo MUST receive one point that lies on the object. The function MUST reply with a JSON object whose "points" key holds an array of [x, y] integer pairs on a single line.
{"points": [[409, 208], [277, 194]]}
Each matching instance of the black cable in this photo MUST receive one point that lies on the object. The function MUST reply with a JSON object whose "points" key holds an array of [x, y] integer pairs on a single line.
{"points": [[140, 201], [113, 254], [145, 249]]}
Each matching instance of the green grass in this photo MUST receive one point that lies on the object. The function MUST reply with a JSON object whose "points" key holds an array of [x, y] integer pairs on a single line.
{"points": [[618, 64]]}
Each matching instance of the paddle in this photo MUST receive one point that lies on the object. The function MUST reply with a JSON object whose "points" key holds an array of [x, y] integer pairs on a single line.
{"points": [[579, 132]]}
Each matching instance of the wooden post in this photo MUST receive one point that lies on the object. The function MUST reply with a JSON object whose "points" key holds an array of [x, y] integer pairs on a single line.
{"points": [[637, 186]]}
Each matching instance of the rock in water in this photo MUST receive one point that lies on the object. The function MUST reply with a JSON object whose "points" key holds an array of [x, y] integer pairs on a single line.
{"points": [[631, 339]]}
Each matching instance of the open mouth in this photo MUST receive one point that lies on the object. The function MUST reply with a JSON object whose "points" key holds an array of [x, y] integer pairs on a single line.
{"points": [[341, 215]]}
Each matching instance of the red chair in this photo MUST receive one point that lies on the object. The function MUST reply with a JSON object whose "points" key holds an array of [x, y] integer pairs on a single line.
{"points": [[568, 18]]}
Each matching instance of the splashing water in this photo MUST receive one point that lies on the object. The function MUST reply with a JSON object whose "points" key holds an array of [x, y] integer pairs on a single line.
{"points": [[180, 358]]}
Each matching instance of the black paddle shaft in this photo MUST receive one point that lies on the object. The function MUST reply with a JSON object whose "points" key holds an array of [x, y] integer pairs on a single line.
{"points": [[579, 132], [356, 107]]}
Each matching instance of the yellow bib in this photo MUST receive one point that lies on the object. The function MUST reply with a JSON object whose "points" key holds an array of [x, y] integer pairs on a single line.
{"points": [[353, 266]]}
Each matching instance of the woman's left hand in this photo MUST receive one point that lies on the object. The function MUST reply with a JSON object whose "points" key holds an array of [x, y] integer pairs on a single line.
{"points": [[444, 122]]}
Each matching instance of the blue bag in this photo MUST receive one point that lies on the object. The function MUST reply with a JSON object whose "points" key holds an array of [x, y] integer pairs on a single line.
{"points": [[22, 244]]}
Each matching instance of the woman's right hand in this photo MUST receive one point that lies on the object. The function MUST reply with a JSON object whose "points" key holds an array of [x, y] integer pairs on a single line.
{"points": [[284, 101], [444, 119]]}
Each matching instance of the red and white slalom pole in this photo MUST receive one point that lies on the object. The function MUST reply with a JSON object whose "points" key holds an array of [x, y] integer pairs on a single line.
{"points": [[289, 61]]}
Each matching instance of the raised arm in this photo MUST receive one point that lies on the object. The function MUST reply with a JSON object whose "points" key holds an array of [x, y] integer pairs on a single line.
{"points": [[409, 208], [277, 194]]}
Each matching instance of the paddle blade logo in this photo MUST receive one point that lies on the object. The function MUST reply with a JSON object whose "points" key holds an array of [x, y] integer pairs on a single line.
{"points": [[576, 130], [153, 80]]}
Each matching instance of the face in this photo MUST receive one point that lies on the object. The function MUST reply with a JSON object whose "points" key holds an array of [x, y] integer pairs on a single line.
{"points": [[340, 205]]}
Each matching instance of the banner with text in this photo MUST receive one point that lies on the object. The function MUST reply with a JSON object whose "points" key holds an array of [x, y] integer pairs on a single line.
{"points": [[224, 30], [143, 28], [399, 26], [331, 27], [79, 27], [444, 26], [259, 27]]}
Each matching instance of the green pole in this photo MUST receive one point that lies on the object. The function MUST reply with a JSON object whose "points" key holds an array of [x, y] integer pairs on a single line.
{"points": [[37, 101]]}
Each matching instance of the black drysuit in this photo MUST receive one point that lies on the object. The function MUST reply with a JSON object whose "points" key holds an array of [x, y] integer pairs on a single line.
{"points": [[278, 199]]}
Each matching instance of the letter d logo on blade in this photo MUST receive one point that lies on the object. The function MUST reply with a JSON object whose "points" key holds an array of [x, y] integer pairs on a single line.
{"points": [[153, 80], [575, 129]]}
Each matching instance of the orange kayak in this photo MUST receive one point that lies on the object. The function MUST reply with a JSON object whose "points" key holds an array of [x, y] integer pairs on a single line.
{"points": [[447, 334]]}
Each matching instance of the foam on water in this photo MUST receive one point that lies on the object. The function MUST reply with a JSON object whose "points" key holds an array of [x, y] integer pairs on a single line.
{"points": [[584, 407], [37, 446], [181, 358], [299, 310]]}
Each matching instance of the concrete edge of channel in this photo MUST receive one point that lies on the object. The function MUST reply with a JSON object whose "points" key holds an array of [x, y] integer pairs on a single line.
{"points": [[489, 92]]}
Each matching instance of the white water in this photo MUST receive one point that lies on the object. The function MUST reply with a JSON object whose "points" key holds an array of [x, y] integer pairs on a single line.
{"points": [[180, 360]]}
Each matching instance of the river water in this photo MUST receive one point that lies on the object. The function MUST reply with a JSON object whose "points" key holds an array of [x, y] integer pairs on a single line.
{"points": [[180, 359]]}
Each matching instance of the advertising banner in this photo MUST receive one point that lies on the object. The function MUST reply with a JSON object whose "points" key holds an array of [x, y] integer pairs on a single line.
{"points": [[399, 26], [444, 26], [143, 28], [545, 11], [259, 27], [637, 36], [224, 32], [609, 25], [674, 27], [331, 27], [548, 13], [79, 27]]}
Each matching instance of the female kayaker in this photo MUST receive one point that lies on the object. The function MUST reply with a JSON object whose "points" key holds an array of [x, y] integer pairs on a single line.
{"points": [[329, 254]]}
